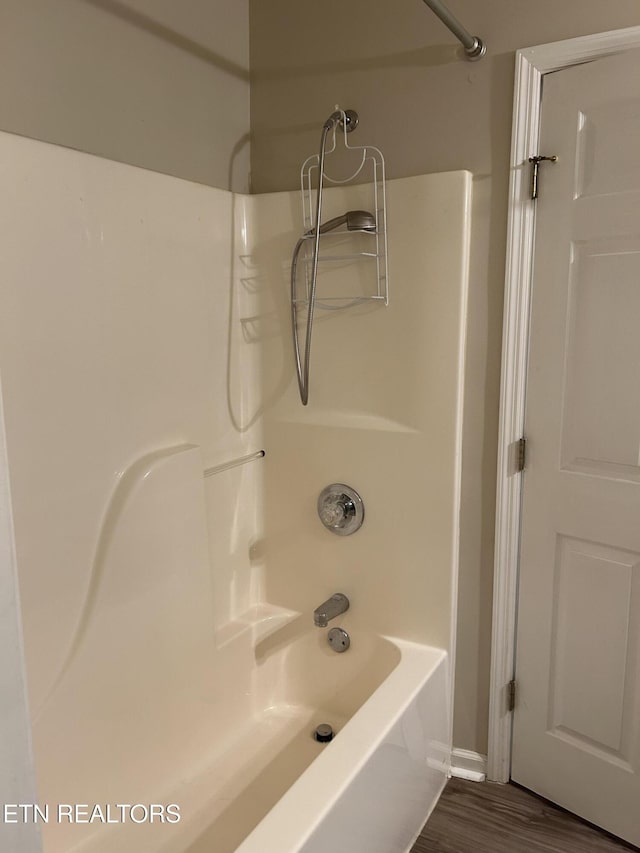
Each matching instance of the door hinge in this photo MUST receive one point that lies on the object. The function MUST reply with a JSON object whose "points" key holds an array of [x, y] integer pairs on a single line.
{"points": [[535, 165], [521, 453], [511, 695]]}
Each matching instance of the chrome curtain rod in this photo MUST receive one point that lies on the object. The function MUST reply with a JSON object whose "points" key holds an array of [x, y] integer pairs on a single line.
{"points": [[474, 47]]}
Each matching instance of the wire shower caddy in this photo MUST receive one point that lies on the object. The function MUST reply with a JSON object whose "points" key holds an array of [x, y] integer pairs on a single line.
{"points": [[371, 165]]}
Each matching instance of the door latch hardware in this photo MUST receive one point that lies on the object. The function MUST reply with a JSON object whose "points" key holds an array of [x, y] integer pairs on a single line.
{"points": [[521, 454], [535, 165], [511, 695]]}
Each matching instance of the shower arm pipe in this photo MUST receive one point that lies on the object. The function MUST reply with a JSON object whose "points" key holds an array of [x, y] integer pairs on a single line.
{"points": [[474, 47]]}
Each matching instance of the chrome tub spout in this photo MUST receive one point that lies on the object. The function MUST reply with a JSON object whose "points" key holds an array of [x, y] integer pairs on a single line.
{"points": [[329, 609]]}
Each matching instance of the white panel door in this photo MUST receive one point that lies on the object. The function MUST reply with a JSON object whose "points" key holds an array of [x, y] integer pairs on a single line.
{"points": [[577, 717]]}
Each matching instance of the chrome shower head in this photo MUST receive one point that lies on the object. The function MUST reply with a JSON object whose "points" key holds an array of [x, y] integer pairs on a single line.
{"points": [[360, 220], [355, 220]]}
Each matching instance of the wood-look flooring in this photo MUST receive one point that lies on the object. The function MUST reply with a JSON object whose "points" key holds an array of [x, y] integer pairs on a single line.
{"points": [[484, 817]]}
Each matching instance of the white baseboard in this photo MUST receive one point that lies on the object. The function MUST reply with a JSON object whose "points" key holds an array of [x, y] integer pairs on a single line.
{"points": [[466, 764]]}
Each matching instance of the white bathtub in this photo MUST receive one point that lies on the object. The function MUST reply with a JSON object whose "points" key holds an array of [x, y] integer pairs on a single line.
{"points": [[372, 788], [263, 784]]}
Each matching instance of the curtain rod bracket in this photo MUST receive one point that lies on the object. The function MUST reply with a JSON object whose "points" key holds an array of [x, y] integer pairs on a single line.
{"points": [[477, 51]]}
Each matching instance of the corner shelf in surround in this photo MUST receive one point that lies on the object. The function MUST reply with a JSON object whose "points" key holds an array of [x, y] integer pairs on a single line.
{"points": [[260, 621], [344, 419]]}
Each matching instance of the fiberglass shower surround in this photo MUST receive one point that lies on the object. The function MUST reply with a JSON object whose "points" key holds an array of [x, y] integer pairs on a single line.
{"points": [[175, 543]]}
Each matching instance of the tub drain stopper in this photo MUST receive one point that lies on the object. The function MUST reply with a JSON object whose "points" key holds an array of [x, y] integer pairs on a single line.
{"points": [[323, 733]]}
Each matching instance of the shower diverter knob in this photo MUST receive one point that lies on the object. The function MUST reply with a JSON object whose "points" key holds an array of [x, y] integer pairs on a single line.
{"points": [[341, 509]]}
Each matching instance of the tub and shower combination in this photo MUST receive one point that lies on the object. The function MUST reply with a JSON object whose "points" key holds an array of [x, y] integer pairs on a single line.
{"points": [[151, 708], [168, 596]]}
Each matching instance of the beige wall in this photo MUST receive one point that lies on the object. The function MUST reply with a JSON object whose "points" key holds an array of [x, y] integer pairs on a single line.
{"points": [[429, 111], [154, 83]]}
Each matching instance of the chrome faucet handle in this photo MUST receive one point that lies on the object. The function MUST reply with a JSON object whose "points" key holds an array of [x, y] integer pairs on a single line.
{"points": [[341, 509], [336, 510]]}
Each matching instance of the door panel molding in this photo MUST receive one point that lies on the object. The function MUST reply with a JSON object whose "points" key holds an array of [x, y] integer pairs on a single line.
{"points": [[530, 67]]}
